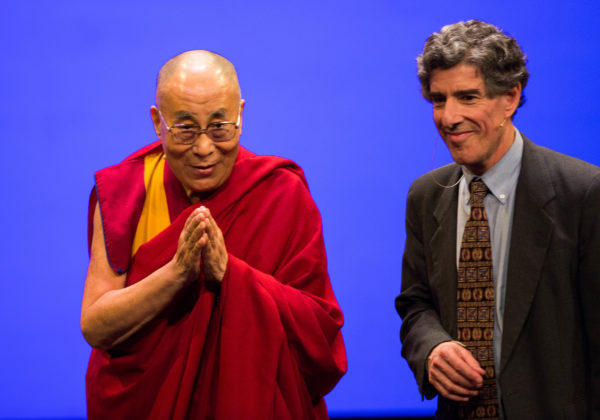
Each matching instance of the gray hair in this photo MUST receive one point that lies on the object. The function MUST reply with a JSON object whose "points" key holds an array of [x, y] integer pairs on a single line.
{"points": [[496, 54]]}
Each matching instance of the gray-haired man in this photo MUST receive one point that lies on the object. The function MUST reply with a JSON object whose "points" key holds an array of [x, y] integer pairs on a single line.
{"points": [[522, 343]]}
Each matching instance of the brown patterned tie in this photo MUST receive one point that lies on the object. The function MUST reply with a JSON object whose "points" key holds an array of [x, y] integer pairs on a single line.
{"points": [[475, 304]]}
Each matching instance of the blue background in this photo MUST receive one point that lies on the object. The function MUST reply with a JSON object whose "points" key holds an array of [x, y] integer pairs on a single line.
{"points": [[329, 84]]}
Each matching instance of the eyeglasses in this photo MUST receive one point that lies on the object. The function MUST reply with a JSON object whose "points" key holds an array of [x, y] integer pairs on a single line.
{"points": [[188, 133]]}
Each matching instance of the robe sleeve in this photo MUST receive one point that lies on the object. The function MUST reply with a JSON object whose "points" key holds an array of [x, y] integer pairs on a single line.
{"points": [[276, 297]]}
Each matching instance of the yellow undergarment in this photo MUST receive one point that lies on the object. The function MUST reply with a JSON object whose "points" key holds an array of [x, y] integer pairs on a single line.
{"points": [[155, 214]]}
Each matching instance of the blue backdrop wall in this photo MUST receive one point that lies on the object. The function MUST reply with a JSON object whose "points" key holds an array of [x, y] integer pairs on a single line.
{"points": [[329, 84]]}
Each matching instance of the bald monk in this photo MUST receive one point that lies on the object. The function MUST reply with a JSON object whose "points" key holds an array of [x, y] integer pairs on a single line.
{"points": [[207, 294]]}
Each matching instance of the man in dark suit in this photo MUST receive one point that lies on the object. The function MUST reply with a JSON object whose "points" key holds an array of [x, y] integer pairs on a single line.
{"points": [[537, 355]]}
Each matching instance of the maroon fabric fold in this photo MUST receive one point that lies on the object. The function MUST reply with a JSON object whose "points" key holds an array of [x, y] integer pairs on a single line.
{"points": [[120, 192], [266, 346]]}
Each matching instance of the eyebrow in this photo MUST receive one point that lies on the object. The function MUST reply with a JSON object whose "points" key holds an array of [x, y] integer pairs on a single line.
{"points": [[186, 115], [467, 92], [219, 113], [457, 93]]}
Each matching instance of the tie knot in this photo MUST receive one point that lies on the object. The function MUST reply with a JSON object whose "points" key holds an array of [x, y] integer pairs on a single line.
{"points": [[478, 192]]}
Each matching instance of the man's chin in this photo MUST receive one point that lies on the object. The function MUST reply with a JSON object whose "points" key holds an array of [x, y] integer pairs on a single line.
{"points": [[458, 158], [206, 185]]}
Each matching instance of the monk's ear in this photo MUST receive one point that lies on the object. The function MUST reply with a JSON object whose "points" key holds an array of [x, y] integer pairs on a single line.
{"points": [[155, 120], [512, 96], [241, 110]]}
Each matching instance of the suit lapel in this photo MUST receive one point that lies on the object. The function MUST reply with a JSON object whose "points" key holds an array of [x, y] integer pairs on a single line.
{"points": [[530, 238], [443, 252]]}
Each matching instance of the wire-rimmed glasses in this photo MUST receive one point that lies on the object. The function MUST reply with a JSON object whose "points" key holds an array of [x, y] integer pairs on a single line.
{"points": [[218, 131]]}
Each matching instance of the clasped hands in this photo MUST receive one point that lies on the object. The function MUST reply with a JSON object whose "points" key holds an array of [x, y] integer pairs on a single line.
{"points": [[454, 372], [201, 241]]}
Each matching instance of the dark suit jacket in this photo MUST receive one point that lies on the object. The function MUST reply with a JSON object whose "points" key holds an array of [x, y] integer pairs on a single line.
{"points": [[550, 363]]}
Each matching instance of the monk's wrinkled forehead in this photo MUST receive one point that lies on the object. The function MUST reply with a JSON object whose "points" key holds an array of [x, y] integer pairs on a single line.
{"points": [[199, 71]]}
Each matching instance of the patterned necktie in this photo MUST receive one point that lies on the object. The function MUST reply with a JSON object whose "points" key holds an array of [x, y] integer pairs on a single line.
{"points": [[475, 304]]}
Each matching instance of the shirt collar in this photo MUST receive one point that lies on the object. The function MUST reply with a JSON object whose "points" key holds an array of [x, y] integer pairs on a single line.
{"points": [[502, 177]]}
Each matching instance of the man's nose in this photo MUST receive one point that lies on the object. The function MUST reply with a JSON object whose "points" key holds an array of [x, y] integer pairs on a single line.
{"points": [[203, 145], [451, 113]]}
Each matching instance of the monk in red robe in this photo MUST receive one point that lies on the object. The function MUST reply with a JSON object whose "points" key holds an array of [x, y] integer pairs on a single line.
{"points": [[207, 294]]}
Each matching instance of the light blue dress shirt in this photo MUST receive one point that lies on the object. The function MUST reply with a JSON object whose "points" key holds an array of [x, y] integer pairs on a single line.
{"points": [[501, 180]]}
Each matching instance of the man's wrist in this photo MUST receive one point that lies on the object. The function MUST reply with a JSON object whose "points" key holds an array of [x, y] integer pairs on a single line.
{"points": [[428, 358]]}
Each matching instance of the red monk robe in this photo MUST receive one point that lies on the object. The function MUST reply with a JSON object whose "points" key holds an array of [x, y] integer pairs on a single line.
{"points": [[267, 345]]}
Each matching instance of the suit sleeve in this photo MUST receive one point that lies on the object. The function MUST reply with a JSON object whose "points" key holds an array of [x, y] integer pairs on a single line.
{"points": [[421, 328], [589, 286]]}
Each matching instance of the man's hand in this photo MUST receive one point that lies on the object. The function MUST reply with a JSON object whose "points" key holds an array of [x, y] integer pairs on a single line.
{"points": [[454, 372], [214, 252], [192, 240]]}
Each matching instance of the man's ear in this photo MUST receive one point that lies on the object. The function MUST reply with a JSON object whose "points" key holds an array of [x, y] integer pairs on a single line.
{"points": [[155, 119], [242, 103], [513, 96]]}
